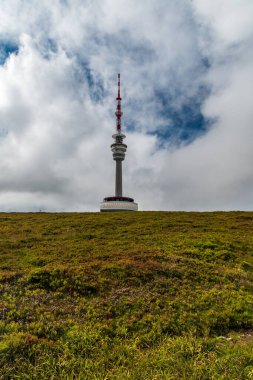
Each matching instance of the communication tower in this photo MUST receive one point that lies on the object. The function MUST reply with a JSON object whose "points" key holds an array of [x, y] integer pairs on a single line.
{"points": [[118, 148]]}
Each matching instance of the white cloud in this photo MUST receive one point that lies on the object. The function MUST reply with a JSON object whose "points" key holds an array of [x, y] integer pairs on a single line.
{"points": [[56, 153]]}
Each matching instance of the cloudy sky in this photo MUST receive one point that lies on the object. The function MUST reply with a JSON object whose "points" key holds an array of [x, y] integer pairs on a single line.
{"points": [[187, 80]]}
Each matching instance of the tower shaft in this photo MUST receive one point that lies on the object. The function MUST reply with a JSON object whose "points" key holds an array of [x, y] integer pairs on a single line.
{"points": [[118, 179]]}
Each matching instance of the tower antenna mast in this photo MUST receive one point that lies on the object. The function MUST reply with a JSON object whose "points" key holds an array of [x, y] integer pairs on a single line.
{"points": [[118, 112]]}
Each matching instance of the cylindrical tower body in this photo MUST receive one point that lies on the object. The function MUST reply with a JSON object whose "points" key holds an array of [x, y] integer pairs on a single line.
{"points": [[118, 179]]}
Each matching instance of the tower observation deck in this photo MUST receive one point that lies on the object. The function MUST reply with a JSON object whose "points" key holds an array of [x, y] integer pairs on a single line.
{"points": [[118, 148]]}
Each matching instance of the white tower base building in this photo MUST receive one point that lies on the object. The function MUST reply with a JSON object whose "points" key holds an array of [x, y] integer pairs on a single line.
{"points": [[118, 204]]}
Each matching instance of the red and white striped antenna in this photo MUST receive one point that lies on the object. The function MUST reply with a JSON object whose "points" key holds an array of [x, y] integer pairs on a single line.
{"points": [[118, 112]]}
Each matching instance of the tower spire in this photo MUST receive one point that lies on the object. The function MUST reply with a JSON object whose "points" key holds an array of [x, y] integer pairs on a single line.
{"points": [[118, 112], [119, 87]]}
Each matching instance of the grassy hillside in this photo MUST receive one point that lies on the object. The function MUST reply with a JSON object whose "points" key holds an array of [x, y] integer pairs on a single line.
{"points": [[147, 295]]}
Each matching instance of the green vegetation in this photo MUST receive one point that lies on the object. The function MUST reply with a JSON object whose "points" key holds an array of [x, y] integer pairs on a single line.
{"points": [[147, 295]]}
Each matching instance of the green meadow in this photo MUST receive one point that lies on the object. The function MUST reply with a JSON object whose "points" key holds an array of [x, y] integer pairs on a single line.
{"points": [[147, 295]]}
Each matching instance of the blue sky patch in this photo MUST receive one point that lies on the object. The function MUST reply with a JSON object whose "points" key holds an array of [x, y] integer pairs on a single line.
{"points": [[7, 48], [184, 123], [96, 87]]}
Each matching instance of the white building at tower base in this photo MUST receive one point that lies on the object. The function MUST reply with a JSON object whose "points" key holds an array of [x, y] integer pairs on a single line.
{"points": [[118, 204]]}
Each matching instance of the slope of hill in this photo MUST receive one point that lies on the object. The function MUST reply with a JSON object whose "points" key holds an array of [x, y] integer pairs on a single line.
{"points": [[147, 295]]}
